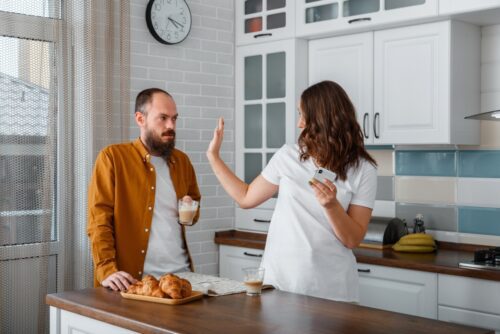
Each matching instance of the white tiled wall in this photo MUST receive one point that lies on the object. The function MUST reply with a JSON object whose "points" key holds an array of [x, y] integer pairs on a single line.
{"points": [[199, 73]]}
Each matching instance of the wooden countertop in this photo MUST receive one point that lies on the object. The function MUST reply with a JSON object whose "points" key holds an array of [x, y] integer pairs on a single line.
{"points": [[444, 261], [273, 312]]}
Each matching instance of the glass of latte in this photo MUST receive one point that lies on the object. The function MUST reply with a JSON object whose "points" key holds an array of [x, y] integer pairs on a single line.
{"points": [[187, 211], [253, 280]]}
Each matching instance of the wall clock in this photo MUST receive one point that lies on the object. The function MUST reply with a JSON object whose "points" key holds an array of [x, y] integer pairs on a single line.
{"points": [[169, 21]]}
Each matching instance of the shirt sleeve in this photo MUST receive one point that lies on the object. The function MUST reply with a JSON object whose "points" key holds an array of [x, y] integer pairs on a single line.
{"points": [[272, 172], [194, 191], [367, 189], [100, 228]]}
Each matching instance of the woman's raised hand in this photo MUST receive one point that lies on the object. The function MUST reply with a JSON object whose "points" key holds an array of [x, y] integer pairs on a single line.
{"points": [[214, 146]]}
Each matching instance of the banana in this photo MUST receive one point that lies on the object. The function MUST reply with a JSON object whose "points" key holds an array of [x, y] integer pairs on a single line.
{"points": [[417, 236], [418, 242], [413, 249]]}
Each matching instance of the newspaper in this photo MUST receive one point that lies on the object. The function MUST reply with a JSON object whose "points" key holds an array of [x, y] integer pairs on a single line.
{"points": [[213, 285]]}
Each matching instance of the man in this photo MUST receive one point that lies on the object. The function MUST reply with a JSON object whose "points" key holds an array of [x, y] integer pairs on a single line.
{"points": [[133, 194]]}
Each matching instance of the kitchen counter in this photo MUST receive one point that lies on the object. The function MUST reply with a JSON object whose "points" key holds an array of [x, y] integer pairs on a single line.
{"points": [[444, 261], [274, 312]]}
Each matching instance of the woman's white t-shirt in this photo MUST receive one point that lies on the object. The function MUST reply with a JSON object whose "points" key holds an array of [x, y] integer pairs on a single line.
{"points": [[302, 253]]}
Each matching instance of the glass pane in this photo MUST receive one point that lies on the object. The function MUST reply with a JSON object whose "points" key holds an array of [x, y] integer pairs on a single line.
{"points": [[276, 125], [359, 7], [253, 126], [253, 6], [322, 13], [394, 4], [253, 166], [253, 77], [276, 75], [44, 8], [274, 4], [276, 21], [268, 157], [26, 152], [253, 25], [308, 1]]}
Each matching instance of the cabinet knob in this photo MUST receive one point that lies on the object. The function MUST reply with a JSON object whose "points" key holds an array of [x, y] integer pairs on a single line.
{"points": [[365, 118], [377, 117], [261, 220], [364, 271], [250, 254]]}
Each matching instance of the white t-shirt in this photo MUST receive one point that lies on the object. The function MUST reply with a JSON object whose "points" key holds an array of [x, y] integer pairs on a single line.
{"points": [[302, 253], [165, 253]]}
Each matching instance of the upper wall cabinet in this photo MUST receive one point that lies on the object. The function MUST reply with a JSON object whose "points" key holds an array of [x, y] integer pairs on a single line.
{"points": [[322, 17], [264, 20], [410, 85], [462, 6]]}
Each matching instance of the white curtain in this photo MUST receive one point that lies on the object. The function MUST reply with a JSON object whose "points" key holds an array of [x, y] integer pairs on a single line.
{"points": [[64, 95]]}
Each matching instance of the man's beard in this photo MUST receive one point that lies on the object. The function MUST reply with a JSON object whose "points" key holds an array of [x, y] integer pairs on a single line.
{"points": [[157, 147]]}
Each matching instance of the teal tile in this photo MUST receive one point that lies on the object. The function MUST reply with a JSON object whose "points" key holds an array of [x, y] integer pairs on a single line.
{"points": [[484, 164], [379, 147], [479, 220], [426, 163]]}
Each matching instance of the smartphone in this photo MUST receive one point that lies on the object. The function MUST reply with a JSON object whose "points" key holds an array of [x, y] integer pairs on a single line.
{"points": [[322, 173]]}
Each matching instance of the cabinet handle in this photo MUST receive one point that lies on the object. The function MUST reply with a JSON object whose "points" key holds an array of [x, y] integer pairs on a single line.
{"points": [[365, 118], [250, 254], [377, 117], [364, 271], [263, 35], [361, 19], [261, 220]]}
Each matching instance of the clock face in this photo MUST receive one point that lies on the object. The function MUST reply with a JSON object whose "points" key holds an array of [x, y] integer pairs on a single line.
{"points": [[169, 21]]}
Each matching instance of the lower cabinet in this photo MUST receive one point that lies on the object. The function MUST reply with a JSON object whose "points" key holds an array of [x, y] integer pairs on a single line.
{"points": [[469, 301], [64, 322], [232, 260], [399, 290]]}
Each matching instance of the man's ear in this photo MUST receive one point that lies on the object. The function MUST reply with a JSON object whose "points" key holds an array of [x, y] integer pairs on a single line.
{"points": [[140, 119]]}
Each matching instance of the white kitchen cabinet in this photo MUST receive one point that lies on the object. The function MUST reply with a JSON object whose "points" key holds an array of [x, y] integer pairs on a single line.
{"points": [[398, 290], [64, 322], [254, 219], [462, 6], [321, 17], [347, 60], [263, 20], [469, 301], [269, 80], [426, 80], [411, 85], [232, 260]]}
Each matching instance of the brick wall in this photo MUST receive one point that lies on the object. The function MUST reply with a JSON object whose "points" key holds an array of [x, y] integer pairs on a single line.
{"points": [[199, 73]]}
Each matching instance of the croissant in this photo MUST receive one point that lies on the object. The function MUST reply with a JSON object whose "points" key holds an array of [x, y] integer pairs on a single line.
{"points": [[175, 287], [147, 287]]}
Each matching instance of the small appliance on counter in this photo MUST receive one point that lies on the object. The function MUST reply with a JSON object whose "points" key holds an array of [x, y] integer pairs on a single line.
{"points": [[384, 232], [484, 259]]}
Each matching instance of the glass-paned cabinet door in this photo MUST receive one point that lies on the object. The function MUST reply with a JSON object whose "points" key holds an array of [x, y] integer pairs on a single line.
{"points": [[265, 104], [317, 17], [262, 20]]}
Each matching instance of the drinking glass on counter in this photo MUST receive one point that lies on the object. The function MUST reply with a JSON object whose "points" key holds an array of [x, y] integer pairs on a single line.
{"points": [[254, 277], [187, 211]]}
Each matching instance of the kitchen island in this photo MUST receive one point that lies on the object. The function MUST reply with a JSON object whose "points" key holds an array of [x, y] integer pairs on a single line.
{"points": [[98, 310]]}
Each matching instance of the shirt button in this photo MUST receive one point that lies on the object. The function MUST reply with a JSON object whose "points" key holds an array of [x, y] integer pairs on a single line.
{"points": [[151, 169], [147, 155], [140, 272], [146, 230], [152, 188], [150, 208], [142, 251]]}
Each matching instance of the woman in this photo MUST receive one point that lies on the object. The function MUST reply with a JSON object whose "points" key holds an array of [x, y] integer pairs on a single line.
{"points": [[314, 225]]}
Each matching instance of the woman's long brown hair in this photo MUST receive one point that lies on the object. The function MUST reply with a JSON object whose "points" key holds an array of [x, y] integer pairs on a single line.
{"points": [[332, 135]]}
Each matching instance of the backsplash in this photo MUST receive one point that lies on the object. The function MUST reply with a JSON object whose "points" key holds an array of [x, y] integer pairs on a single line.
{"points": [[456, 190]]}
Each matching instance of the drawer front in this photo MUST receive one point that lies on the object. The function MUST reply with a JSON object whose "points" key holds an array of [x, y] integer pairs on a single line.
{"points": [[398, 290], [469, 293], [253, 219], [471, 318], [234, 259]]}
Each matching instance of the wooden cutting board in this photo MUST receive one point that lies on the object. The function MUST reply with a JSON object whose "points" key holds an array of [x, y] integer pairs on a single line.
{"points": [[194, 296]]}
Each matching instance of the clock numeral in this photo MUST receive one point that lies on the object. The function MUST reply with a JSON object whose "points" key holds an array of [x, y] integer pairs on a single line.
{"points": [[184, 19], [169, 1], [157, 6]]}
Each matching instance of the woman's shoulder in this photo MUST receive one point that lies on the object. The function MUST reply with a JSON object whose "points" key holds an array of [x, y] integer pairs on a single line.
{"points": [[365, 167]]}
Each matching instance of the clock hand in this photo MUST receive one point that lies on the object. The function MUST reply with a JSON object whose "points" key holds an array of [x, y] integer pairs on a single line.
{"points": [[175, 22]]}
